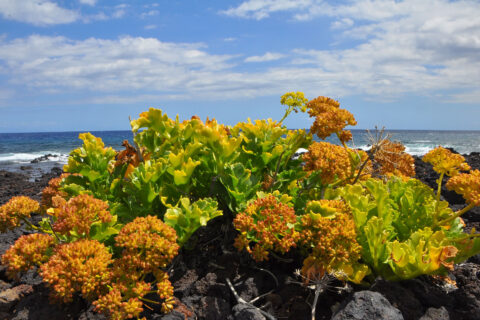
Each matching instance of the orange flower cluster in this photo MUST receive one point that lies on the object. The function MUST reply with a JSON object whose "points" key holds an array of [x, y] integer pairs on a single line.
{"points": [[468, 185], [116, 306], [148, 244], [331, 238], [393, 160], [78, 214], [330, 118], [267, 222], [28, 251], [446, 162], [16, 209], [81, 266], [331, 160], [53, 190], [164, 290]]}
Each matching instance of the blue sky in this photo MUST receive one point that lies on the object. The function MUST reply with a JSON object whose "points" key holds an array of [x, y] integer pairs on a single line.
{"points": [[90, 64]]}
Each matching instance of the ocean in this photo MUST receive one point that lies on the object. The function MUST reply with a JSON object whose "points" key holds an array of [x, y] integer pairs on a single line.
{"points": [[17, 150]]}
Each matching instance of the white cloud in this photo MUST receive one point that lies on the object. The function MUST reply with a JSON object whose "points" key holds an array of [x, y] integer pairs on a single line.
{"points": [[404, 47], [428, 47], [36, 12], [149, 13], [342, 23], [260, 9], [88, 2], [269, 56], [109, 65], [118, 13], [150, 27]]}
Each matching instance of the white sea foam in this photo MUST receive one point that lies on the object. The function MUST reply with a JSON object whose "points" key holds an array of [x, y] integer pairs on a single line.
{"points": [[27, 157], [418, 150]]}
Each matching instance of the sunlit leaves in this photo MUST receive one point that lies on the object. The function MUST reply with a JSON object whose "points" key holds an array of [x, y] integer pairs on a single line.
{"points": [[187, 217]]}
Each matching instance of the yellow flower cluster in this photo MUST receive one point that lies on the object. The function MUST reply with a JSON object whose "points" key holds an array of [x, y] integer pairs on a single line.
{"points": [[116, 306], [294, 99], [331, 160], [52, 190], [331, 237], [446, 162], [393, 160], [81, 266], [78, 214], [269, 223], [28, 251], [148, 244], [16, 209], [468, 185], [330, 118]]}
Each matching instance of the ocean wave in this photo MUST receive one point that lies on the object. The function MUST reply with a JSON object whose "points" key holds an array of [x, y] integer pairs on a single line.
{"points": [[414, 150], [27, 157]]}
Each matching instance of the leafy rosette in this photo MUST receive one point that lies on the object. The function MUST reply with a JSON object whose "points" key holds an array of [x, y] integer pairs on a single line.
{"points": [[404, 230]]}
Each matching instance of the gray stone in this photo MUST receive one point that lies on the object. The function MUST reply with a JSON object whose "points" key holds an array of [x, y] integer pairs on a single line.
{"points": [[367, 305], [436, 314], [10, 297]]}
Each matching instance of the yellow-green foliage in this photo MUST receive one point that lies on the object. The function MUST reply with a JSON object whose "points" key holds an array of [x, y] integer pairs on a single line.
{"points": [[404, 230]]}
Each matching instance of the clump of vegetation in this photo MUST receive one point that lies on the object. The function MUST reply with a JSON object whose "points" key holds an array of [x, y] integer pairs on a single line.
{"points": [[116, 220]]}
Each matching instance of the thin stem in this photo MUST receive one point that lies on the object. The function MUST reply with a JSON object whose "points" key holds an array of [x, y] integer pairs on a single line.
{"points": [[149, 301], [439, 183], [468, 236], [318, 290], [53, 231], [360, 171], [287, 112], [456, 215], [33, 226], [242, 301], [270, 273]]}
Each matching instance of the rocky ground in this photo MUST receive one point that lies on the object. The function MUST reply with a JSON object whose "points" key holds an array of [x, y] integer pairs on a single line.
{"points": [[200, 278]]}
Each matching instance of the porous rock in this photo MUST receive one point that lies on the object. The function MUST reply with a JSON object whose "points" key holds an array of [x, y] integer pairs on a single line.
{"points": [[10, 297], [367, 305], [436, 314]]}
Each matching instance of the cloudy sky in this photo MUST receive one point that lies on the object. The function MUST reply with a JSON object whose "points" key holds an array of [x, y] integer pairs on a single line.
{"points": [[68, 65]]}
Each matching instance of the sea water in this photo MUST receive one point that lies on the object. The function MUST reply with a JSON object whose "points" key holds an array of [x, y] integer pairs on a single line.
{"points": [[17, 150]]}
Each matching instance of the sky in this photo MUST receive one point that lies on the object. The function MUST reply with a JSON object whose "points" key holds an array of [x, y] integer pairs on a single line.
{"points": [[78, 65]]}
